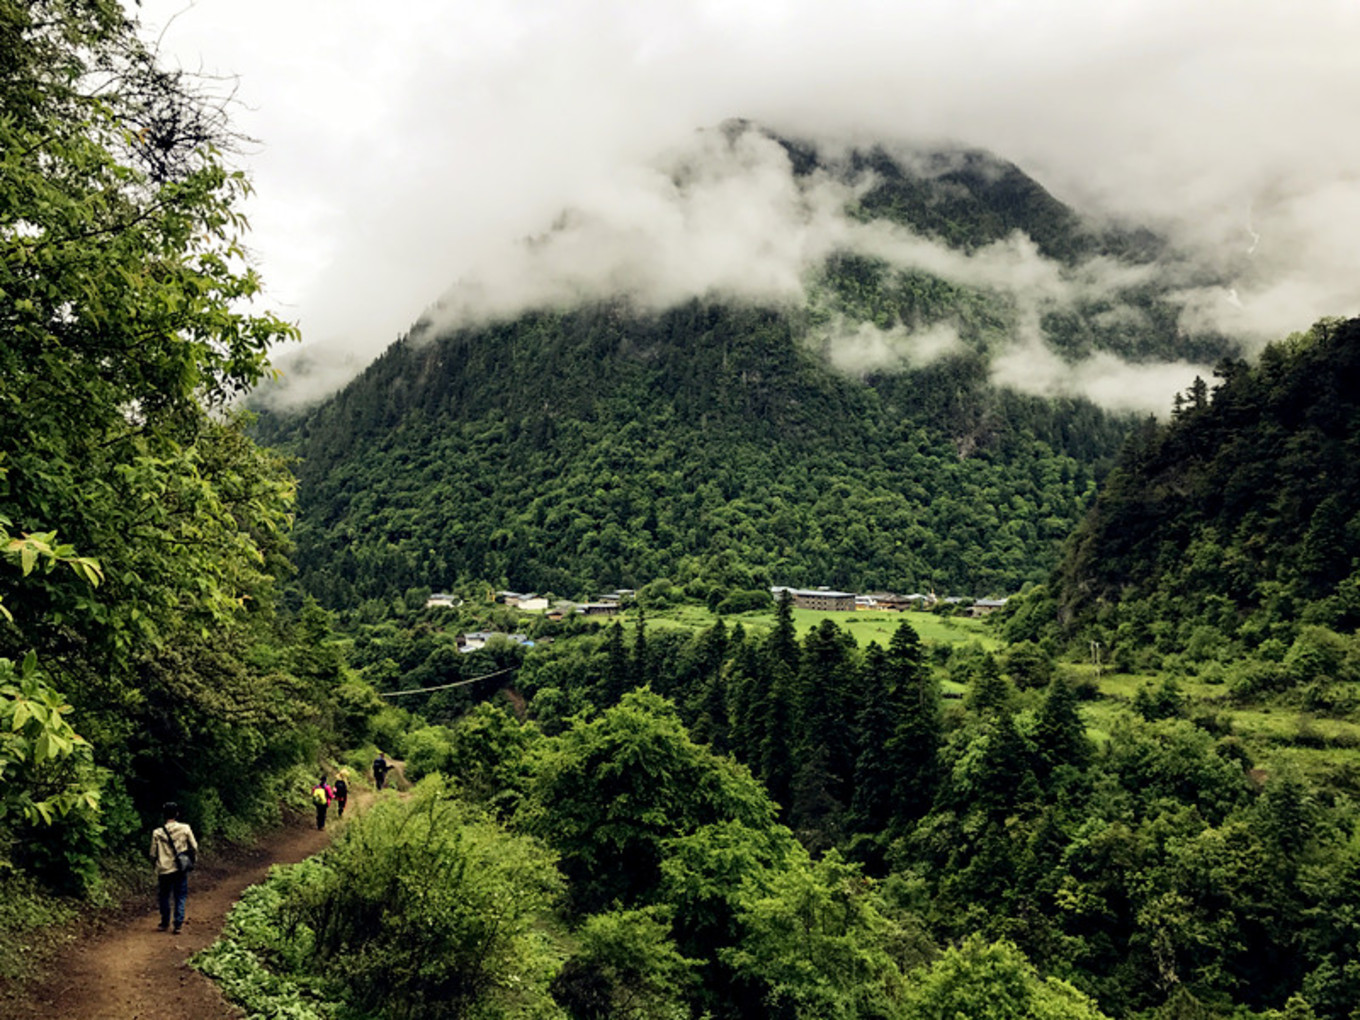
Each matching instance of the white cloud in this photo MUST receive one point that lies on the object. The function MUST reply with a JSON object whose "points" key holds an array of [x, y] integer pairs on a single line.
{"points": [[861, 348], [404, 147], [1030, 366]]}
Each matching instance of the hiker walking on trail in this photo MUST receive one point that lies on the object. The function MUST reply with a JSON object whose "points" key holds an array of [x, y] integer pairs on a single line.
{"points": [[173, 850], [322, 795], [380, 770], [341, 795]]}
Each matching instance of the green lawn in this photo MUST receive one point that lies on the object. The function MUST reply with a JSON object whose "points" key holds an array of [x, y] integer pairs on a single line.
{"points": [[865, 627], [1275, 735]]}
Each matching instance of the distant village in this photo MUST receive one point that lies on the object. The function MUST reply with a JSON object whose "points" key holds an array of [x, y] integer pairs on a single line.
{"points": [[612, 603]]}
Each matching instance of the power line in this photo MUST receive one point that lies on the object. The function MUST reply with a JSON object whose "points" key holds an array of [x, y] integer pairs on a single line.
{"points": [[445, 687]]}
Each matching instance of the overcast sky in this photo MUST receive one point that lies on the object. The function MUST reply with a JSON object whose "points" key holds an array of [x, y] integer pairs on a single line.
{"points": [[402, 144]]}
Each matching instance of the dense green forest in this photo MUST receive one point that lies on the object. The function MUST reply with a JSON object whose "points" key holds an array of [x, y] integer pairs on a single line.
{"points": [[720, 452], [1226, 530], [752, 821], [714, 443], [145, 651]]}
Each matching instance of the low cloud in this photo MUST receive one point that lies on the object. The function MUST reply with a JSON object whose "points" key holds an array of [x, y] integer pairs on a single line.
{"points": [[861, 348], [401, 152], [725, 217], [1031, 366]]}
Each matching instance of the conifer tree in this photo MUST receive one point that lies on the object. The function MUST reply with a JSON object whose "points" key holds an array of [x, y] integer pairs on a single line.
{"points": [[617, 671], [989, 694], [875, 776], [782, 644], [775, 756], [713, 712], [1059, 732], [824, 705], [915, 745], [748, 683], [641, 658]]}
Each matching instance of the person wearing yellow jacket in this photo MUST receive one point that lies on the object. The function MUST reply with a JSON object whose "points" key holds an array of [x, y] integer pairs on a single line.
{"points": [[169, 840]]}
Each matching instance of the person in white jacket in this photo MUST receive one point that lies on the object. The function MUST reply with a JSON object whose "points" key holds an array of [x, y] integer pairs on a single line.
{"points": [[171, 838]]}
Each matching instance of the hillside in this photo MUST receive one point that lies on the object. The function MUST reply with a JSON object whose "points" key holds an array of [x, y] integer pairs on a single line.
{"points": [[730, 443], [1237, 518]]}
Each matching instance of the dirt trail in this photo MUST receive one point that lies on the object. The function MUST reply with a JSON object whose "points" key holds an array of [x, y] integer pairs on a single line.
{"points": [[124, 969]]}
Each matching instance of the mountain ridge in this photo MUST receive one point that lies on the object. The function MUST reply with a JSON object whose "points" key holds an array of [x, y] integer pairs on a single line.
{"points": [[713, 441]]}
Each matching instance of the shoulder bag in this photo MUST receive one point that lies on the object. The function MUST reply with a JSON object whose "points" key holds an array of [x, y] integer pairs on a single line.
{"points": [[184, 859]]}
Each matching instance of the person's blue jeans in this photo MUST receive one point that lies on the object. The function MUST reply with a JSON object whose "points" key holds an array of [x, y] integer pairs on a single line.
{"points": [[177, 883]]}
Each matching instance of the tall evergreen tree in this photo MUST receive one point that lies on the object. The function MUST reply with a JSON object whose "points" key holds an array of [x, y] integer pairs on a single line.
{"points": [[747, 686], [776, 735], [915, 745], [989, 693], [1059, 733], [875, 777], [642, 665], [782, 644], [617, 670], [824, 704], [712, 724]]}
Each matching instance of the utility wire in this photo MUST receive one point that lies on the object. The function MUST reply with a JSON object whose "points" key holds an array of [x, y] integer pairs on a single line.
{"points": [[445, 687]]}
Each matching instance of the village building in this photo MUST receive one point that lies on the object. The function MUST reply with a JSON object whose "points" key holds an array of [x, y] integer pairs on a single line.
{"points": [[476, 640], [984, 607], [823, 599]]}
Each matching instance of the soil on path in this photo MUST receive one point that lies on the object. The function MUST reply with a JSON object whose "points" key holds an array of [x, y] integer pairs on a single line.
{"points": [[124, 969]]}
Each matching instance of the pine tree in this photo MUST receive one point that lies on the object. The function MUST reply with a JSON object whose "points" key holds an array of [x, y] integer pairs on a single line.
{"points": [[824, 703], [747, 685], [617, 672], [1059, 732], [782, 644], [641, 659], [989, 694], [775, 734], [875, 774], [712, 725], [915, 745]]}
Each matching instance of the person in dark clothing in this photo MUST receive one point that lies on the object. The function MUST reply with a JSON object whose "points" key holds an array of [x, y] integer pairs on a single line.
{"points": [[341, 795], [174, 837], [380, 770], [322, 795]]}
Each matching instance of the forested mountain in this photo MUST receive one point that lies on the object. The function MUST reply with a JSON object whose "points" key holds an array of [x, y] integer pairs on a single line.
{"points": [[1236, 521], [714, 442]]}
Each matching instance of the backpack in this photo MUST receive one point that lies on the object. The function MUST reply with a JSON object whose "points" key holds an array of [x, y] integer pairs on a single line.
{"points": [[320, 796]]}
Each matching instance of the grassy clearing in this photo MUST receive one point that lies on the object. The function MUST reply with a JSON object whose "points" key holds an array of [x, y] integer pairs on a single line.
{"points": [[1276, 736], [865, 627]]}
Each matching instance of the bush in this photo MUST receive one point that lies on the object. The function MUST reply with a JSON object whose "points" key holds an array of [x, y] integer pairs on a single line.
{"points": [[26, 909], [625, 967], [262, 962], [427, 908], [745, 601], [426, 751], [993, 981]]}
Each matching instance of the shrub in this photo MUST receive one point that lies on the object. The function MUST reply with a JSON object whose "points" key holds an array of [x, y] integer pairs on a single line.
{"points": [[427, 908], [625, 967], [262, 962], [745, 601], [426, 751]]}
